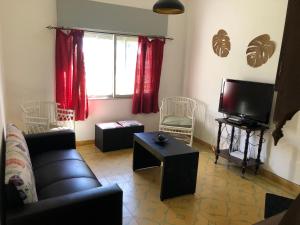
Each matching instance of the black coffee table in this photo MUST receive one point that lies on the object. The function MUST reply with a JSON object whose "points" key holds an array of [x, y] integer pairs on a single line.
{"points": [[180, 163]]}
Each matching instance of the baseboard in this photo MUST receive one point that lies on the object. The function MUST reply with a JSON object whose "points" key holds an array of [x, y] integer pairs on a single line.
{"points": [[286, 184], [201, 142], [197, 140], [86, 142]]}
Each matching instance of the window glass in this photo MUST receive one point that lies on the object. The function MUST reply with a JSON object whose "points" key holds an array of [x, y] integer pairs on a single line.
{"points": [[99, 64], [106, 77], [125, 64]]}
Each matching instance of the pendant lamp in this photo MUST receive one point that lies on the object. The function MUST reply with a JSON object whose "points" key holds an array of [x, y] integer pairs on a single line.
{"points": [[168, 7]]}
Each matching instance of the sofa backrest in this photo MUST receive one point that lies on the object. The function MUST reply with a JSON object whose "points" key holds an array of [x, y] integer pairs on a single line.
{"points": [[2, 181]]}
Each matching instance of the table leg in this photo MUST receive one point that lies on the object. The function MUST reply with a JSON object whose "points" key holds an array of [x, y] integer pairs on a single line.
{"points": [[218, 142], [259, 150], [246, 152], [231, 139], [179, 176], [142, 158]]}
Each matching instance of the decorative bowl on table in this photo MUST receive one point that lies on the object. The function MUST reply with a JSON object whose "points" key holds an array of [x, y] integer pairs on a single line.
{"points": [[160, 139]]}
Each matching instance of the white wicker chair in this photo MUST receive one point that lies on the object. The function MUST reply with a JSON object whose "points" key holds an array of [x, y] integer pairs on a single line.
{"points": [[177, 117], [43, 116]]}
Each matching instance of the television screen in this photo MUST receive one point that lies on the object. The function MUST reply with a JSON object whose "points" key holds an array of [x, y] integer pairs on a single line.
{"points": [[251, 101]]}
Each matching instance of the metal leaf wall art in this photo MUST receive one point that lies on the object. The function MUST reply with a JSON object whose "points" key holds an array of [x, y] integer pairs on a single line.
{"points": [[260, 49], [221, 43]]}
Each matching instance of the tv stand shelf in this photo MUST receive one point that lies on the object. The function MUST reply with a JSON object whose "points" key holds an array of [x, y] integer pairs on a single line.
{"points": [[225, 153]]}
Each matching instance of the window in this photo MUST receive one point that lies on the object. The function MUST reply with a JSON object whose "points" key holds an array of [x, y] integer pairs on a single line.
{"points": [[125, 64], [110, 62], [99, 64]]}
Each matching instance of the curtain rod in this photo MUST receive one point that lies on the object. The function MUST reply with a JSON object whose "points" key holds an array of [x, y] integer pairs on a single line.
{"points": [[108, 32]]}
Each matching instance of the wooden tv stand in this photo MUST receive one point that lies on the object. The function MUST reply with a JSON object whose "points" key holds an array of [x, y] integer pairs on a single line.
{"points": [[225, 153]]}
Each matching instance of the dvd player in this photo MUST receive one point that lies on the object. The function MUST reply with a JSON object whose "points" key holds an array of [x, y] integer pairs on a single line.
{"points": [[242, 121], [234, 120]]}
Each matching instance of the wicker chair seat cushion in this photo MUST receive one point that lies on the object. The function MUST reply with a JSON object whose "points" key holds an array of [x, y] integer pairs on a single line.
{"points": [[177, 121]]}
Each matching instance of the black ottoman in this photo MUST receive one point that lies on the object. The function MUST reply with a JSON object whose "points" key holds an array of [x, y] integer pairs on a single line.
{"points": [[116, 135], [275, 204]]}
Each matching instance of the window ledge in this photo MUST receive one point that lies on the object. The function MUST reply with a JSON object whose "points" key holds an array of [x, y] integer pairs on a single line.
{"points": [[109, 97]]}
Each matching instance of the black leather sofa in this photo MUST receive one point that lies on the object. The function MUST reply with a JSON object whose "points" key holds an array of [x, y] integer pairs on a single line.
{"points": [[68, 191]]}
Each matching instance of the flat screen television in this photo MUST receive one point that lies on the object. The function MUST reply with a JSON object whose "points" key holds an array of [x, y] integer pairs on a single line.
{"points": [[249, 101]]}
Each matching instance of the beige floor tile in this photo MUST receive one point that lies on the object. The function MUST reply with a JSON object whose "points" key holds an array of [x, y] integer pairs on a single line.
{"points": [[222, 196]]}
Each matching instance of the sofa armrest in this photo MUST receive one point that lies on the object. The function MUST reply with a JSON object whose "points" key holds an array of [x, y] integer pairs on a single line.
{"points": [[55, 140], [102, 205]]}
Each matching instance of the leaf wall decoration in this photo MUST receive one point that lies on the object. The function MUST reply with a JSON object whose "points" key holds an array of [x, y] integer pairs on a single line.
{"points": [[259, 50], [221, 43]]}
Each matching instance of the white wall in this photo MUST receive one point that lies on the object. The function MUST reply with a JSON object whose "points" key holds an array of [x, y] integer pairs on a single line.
{"points": [[29, 59], [28, 53], [243, 21]]}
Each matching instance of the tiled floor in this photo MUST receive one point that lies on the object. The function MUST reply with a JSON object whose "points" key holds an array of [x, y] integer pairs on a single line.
{"points": [[222, 197]]}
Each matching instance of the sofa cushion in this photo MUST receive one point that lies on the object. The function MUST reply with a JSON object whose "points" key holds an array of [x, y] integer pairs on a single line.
{"points": [[18, 167], [69, 173], [45, 158], [67, 186], [177, 121]]}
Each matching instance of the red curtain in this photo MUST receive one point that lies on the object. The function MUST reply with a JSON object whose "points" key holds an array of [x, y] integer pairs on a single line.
{"points": [[70, 73], [147, 75]]}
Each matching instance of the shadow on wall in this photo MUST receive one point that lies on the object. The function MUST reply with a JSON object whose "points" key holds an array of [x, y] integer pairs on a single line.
{"points": [[212, 127], [206, 127], [287, 149], [290, 164], [291, 143], [200, 113]]}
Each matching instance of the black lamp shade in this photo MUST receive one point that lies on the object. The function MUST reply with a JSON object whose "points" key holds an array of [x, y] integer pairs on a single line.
{"points": [[168, 7]]}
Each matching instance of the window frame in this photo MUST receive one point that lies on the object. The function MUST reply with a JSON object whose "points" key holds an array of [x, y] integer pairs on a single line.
{"points": [[114, 94]]}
